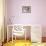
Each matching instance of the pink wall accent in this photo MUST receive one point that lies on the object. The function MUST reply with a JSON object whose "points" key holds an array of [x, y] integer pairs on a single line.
{"points": [[37, 15]]}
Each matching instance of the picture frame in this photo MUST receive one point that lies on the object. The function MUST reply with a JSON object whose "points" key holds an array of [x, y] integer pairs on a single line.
{"points": [[26, 9]]}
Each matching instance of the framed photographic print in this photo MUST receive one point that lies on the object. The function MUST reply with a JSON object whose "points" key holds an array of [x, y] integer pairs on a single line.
{"points": [[26, 9]]}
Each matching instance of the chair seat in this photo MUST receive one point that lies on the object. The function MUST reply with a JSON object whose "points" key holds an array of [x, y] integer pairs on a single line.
{"points": [[18, 33]]}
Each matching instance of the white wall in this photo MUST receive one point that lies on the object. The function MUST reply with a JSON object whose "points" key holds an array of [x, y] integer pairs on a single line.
{"points": [[37, 15]]}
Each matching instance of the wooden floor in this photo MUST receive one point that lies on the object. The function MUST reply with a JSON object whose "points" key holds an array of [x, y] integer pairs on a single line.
{"points": [[23, 43], [18, 43]]}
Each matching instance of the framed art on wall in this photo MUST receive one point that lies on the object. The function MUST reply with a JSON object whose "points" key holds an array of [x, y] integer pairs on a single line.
{"points": [[26, 9]]}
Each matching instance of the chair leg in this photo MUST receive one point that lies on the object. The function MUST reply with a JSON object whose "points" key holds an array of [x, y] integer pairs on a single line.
{"points": [[25, 36], [15, 38]]}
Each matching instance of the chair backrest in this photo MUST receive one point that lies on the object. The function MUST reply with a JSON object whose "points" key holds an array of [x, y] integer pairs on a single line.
{"points": [[18, 30]]}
